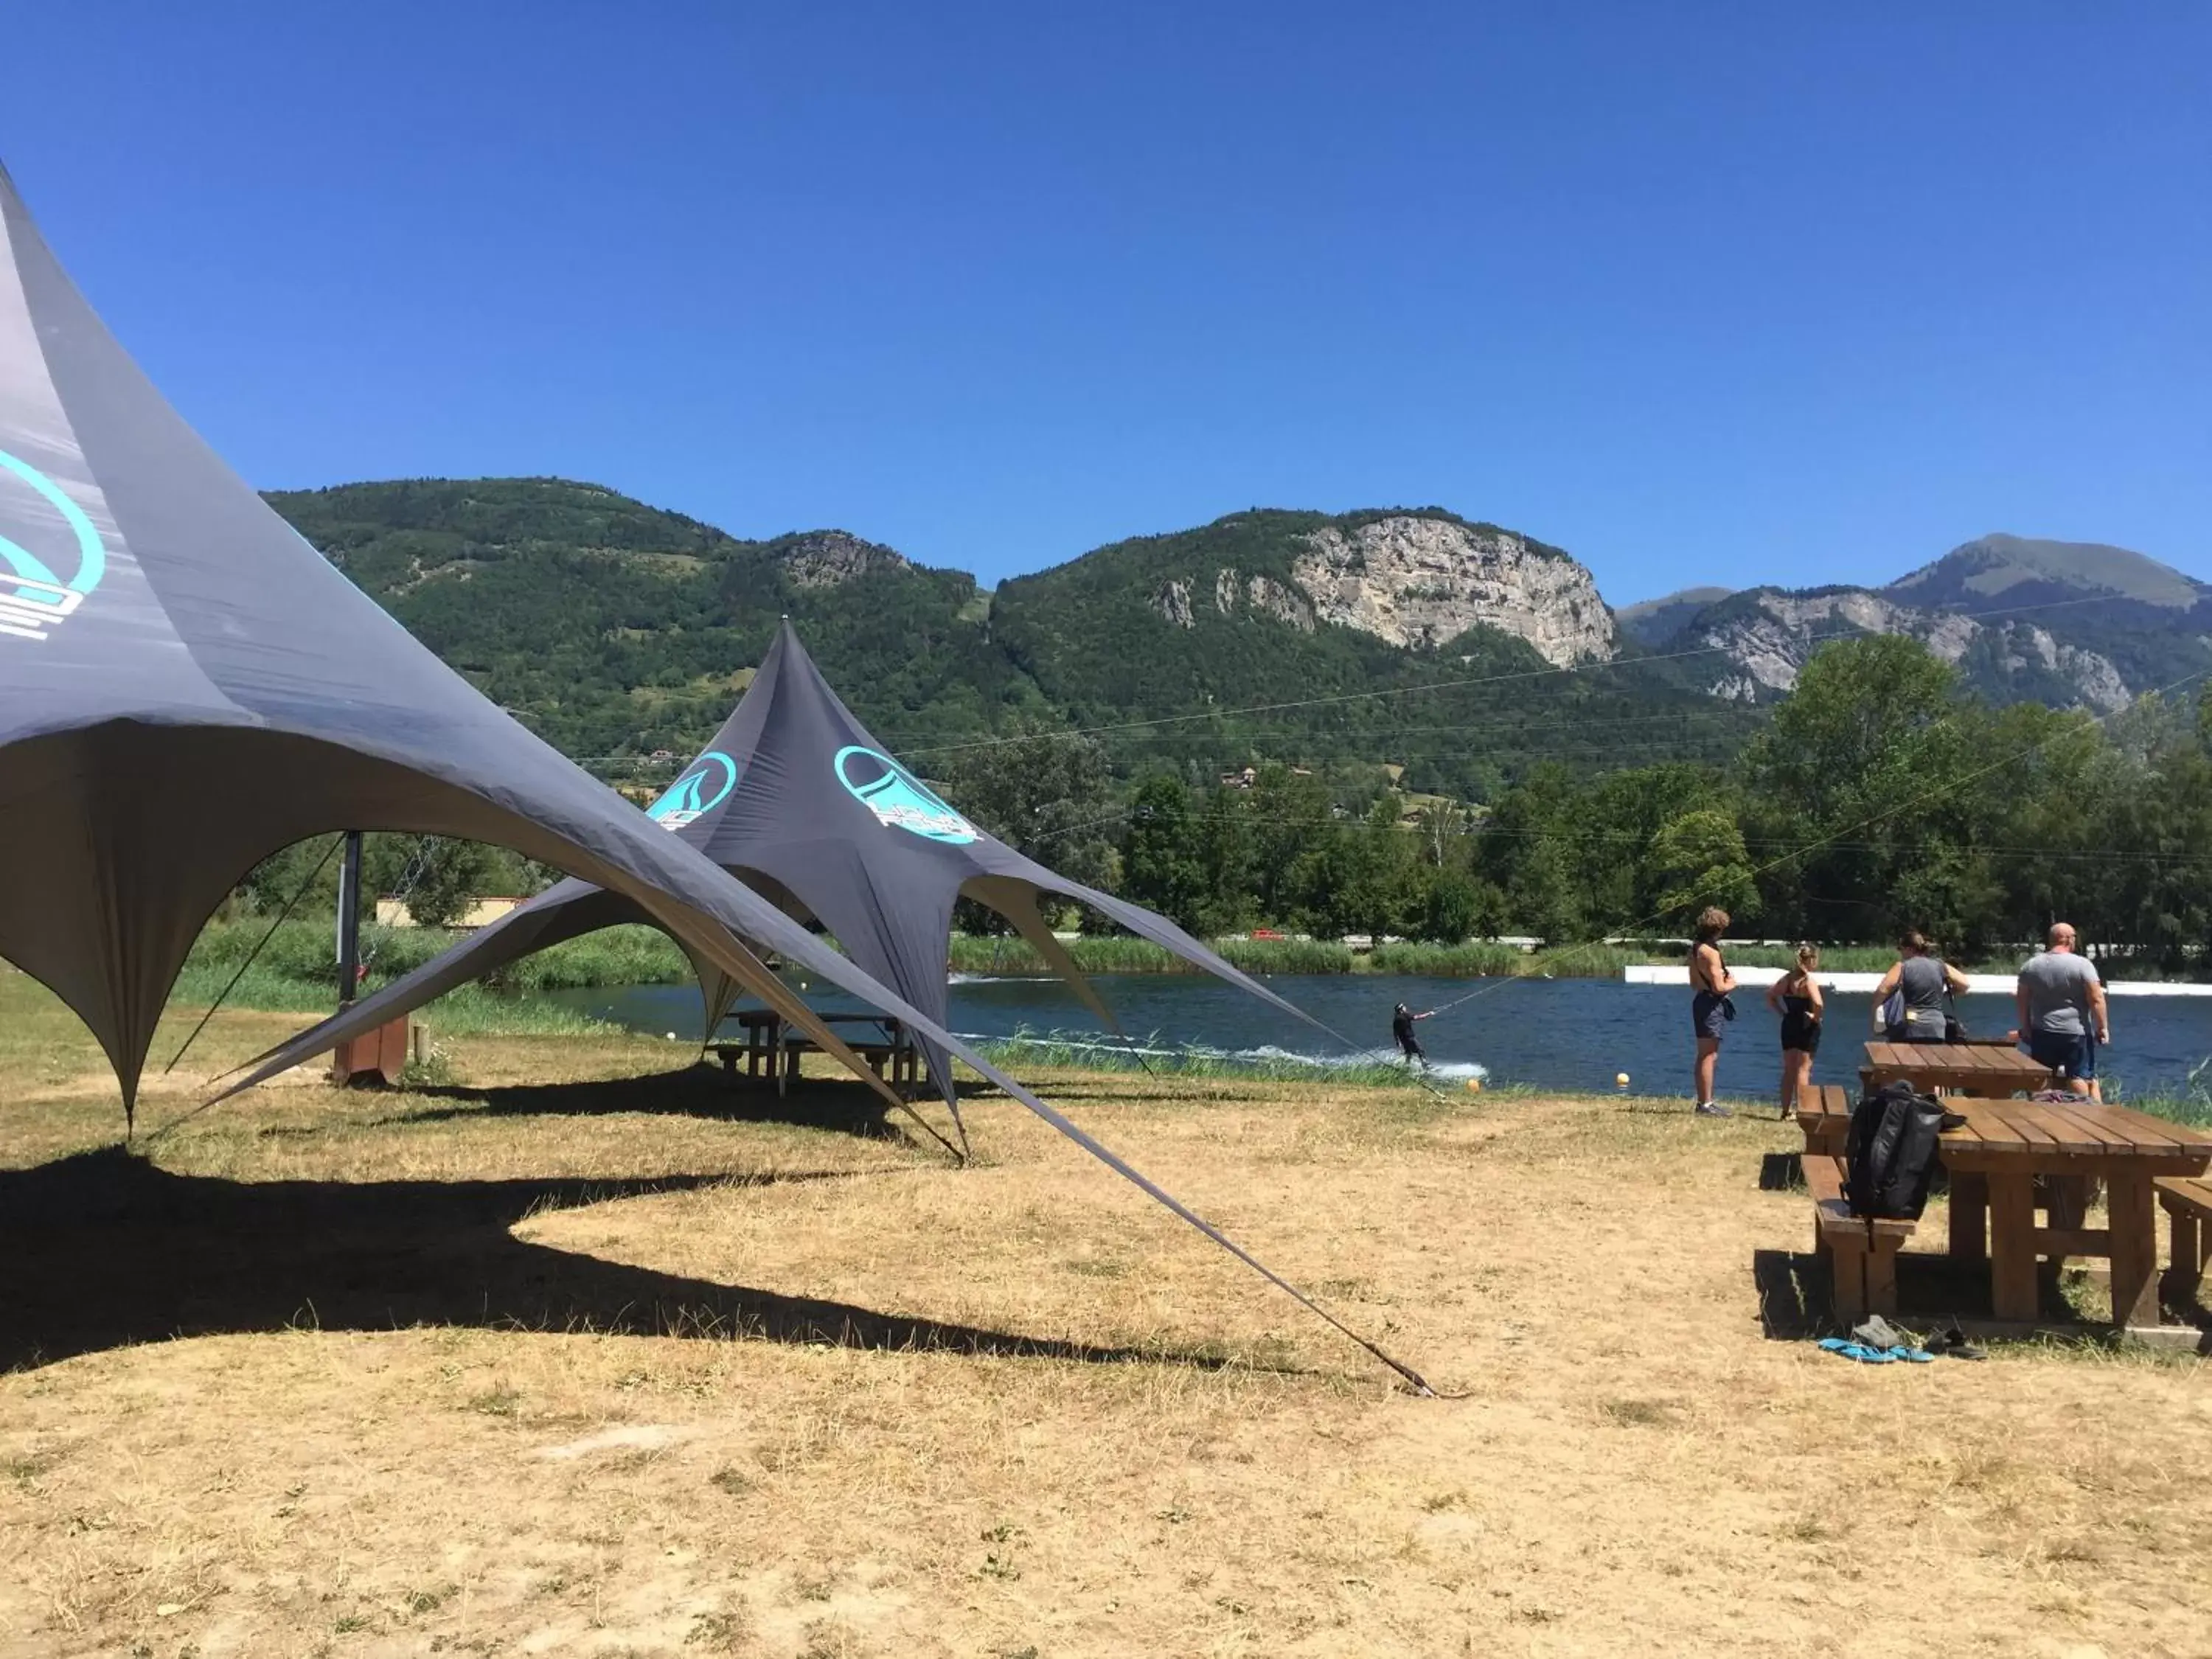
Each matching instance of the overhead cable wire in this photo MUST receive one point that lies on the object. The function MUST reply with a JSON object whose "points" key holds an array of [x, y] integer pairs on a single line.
{"points": [[1339, 698]]}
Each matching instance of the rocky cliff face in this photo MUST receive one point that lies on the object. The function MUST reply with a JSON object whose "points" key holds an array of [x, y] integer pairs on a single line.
{"points": [[1764, 638], [830, 558], [1234, 593], [1421, 581], [1414, 581]]}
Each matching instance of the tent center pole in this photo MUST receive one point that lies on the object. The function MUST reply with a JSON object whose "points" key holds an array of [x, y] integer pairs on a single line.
{"points": [[350, 918]]}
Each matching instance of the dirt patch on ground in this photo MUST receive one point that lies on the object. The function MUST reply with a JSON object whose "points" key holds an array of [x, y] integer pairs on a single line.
{"points": [[568, 1359]]}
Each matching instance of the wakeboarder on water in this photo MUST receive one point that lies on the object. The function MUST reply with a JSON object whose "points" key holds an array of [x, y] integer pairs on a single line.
{"points": [[1401, 1028]]}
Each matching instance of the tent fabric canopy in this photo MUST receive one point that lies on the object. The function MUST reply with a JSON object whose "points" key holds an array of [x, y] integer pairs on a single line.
{"points": [[794, 796], [186, 687]]}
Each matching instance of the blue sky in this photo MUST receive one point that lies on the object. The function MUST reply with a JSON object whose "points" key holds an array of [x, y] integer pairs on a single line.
{"points": [[1700, 293]]}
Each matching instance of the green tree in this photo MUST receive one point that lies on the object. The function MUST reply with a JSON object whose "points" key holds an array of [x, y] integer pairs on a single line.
{"points": [[1163, 864], [1863, 769], [1368, 885], [1456, 906], [1696, 859], [450, 876], [1047, 796], [1223, 844], [1291, 825], [1531, 849]]}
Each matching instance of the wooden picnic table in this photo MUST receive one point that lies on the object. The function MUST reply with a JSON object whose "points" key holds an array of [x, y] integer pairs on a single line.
{"points": [[2005, 1148], [1988, 1070], [1997, 1154]]}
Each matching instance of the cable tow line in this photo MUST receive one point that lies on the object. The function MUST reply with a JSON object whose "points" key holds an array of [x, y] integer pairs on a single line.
{"points": [[297, 895]]}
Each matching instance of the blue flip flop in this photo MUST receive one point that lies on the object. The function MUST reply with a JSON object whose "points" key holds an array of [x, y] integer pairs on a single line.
{"points": [[1869, 1356]]}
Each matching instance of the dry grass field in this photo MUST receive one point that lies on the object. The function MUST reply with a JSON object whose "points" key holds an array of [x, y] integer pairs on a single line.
{"points": [[588, 1353]]}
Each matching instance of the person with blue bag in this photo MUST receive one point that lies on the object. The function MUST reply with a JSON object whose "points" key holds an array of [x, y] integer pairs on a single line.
{"points": [[1910, 1004]]}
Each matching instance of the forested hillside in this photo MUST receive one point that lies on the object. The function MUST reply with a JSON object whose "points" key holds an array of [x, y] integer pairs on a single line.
{"points": [[1092, 635], [615, 629]]}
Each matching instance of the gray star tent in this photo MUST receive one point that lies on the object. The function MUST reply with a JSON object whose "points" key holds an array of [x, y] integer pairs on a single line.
{"points": [[795, 797], [185, 687]]}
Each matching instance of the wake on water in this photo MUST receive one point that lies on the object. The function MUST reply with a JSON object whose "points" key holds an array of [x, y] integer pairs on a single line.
{"points": [[1454, 1071], [1267, 1056]]}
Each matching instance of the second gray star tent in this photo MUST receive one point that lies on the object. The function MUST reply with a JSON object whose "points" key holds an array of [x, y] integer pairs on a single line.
{"points": [[797, 799]]}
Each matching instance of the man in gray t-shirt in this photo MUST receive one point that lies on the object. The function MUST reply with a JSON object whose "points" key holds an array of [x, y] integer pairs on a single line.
{"points": [[2063, 1015]]}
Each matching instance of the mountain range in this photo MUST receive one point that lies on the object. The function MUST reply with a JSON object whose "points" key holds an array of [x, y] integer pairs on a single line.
{"points": [[1454, 652], [2069, 623]]}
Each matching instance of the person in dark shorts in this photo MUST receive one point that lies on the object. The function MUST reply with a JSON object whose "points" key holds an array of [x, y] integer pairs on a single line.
{"points": [[1710, 1007], [1919, 985], [2063, 1015], [1401, 1028], [1796, 997]]}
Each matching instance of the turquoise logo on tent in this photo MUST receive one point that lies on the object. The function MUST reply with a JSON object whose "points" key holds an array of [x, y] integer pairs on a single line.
{"points": [[33, 598], [898, 799], [705, 785]]}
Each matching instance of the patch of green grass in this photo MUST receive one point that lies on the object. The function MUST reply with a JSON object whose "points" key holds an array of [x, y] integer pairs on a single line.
{"points": [[296, 967], [1639, 1413], [728, 1631], [2191, 1105], [2193, 1110]]}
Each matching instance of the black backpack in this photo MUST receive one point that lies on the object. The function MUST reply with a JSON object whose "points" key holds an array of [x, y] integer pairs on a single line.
{"points": [[1891, 1152]]}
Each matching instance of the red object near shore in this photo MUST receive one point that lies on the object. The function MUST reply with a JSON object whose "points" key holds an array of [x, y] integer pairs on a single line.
{"points": [[381, 1054]]}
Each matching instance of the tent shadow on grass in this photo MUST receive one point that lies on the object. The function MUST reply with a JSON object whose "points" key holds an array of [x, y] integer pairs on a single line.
{"points": [[104, 1249], [841, 1105]]}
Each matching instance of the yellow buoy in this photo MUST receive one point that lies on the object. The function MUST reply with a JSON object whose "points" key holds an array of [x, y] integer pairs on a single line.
{"points": [[1475, 1085], [1620, 1078]]}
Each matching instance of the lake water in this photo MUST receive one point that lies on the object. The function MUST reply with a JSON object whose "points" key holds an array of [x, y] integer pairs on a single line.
{"points": [[1566, 1033]]}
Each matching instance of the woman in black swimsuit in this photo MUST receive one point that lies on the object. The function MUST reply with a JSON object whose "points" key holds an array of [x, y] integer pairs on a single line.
{"points": [[1710, 1007], [1796, 997]]}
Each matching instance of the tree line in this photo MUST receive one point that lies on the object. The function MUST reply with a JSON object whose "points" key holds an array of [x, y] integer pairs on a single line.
{"points": [[1883, 794]]}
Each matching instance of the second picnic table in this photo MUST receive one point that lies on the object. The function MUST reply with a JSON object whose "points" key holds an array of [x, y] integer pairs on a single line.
{"points": [[1990, 1070], [769, 1045]]}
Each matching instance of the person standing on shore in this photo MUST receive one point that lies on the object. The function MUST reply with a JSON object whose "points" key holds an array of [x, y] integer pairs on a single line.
{"points": [[1710, 1007], [2064, 1015], [1796, 997], [1922, 984]]}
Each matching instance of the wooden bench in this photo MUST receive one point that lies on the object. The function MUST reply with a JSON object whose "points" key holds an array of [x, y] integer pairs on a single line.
{"points": [[1824, 1113], [2187, 1201], [1860, 1252], [901, 1059]]}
